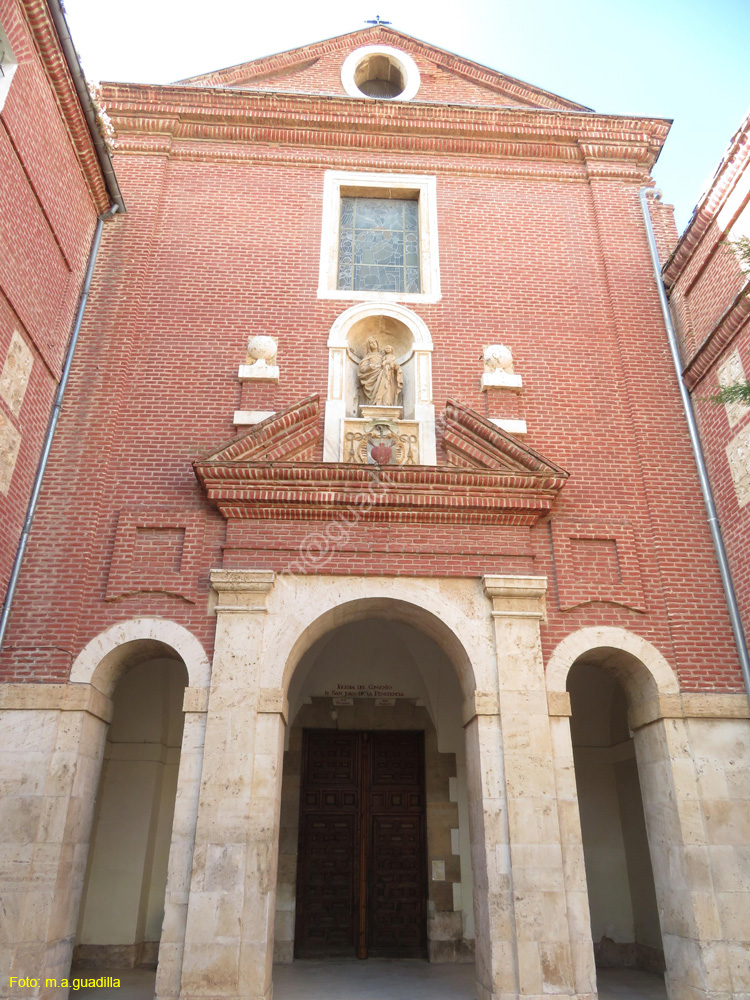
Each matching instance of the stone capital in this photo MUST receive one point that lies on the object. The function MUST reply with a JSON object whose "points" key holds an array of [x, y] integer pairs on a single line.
{"points": [[195, 699], [70, 697], [517, 596], [241, 590], [558, 703], [273, 701], [480, 703]]}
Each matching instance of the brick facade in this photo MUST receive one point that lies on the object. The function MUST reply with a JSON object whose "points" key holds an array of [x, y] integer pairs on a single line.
{"points": [[541, 247], [214, 558]]}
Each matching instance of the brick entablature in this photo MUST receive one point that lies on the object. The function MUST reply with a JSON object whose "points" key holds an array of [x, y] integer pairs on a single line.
{"points": [[542, 248]]}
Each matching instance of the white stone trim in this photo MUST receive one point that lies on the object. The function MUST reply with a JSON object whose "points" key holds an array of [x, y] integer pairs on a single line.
{"points": [[425, 187], [243, 418], [258, 373], [338, 344], [95, 664], [588, 639], [405, 63], [9, 64], [343, 323], [517, 427], [501, 380]]}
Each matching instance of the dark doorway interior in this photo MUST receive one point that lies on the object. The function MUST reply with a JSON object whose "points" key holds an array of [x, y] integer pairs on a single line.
{"points": [[362, 881]]}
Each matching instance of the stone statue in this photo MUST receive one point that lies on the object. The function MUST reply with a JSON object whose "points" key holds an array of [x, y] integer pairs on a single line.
{"points": [[380, 375]]}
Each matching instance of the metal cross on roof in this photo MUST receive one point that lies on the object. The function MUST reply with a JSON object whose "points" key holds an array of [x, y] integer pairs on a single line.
{"points": [[378, 20]]}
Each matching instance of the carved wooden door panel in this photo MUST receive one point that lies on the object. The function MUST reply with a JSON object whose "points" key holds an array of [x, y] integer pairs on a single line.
{"points": [[397, 882], [327, 919], [361, 880]]}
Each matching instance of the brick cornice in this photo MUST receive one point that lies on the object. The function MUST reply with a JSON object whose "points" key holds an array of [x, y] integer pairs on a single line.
{"points": [[323, 491], [734, 319], [199, 114], [47, 45], [733, 164]]}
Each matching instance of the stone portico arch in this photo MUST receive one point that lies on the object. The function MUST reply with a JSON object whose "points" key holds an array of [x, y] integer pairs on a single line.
{"points": [[689, 749], [68, 725], [528, 926]]}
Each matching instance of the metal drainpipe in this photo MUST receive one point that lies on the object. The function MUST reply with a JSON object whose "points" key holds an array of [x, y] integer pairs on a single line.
{"points": [[52, 426], [713, 520]]}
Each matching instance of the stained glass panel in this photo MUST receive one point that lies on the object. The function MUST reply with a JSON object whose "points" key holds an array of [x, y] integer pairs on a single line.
{"points": [[379, 245]]}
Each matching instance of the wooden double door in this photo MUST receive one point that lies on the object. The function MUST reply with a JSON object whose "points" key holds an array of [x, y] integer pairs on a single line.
{"points": [[361, 876]]}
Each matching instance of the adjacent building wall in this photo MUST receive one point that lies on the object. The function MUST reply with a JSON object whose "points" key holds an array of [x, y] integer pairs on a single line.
{"points": [[51, 191], [708, 285]]}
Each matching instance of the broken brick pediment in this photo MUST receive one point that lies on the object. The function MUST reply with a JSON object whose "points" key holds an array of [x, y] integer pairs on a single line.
{"points": [[269, 472], [290, 435], [471, 441]]}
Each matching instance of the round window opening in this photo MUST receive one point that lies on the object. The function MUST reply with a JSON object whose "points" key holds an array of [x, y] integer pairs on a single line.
{"points": [[378, 75], [380, 72]]}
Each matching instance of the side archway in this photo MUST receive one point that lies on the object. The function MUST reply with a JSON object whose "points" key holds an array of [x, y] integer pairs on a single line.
{"points": [[104, 660], [121, 662], [638, 665], [616, 681]]}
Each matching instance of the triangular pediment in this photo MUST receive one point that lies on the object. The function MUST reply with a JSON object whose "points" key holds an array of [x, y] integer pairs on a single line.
{"points": [[471, 441], [446, 77]]}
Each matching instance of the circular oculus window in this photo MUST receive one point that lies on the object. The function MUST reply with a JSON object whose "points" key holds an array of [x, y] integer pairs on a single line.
{"points": [[380, 73]]}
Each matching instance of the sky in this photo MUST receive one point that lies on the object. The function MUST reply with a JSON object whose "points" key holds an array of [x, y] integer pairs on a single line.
{"points": [[681, 59]]}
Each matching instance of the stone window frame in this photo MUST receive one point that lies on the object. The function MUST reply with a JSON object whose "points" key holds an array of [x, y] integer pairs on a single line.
{"points": [[8, 65], [405, 64], [344, 183]]}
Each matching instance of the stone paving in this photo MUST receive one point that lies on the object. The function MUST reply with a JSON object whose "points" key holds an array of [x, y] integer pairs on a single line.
{"points": [[348, 979]]}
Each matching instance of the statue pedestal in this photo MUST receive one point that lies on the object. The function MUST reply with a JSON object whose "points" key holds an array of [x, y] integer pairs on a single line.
{"points": [[381, 412]]}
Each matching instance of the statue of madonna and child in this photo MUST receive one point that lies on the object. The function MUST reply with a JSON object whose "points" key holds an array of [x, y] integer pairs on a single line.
{"points": [[380, 375]]}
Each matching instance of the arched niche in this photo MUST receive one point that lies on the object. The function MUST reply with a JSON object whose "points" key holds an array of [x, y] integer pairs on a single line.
{"points": [[394, 326]]}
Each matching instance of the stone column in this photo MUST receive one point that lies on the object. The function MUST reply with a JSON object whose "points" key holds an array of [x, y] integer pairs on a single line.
{"points": [[229, 933], [571, 842], [171, 946], [496, 965], [544, 929], [52, 740], [693, 766]]}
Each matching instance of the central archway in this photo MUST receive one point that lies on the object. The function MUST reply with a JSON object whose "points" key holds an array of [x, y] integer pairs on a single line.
{"points": [[374, 855]]}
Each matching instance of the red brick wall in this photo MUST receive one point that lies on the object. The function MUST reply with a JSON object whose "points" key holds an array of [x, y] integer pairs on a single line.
{"points": [[215, 248], [708, 296], [46, 226]]}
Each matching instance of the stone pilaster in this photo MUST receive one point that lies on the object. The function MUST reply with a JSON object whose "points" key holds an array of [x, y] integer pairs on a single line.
{"points": [[544, 927], [696, 799], [229, 931], [52, 738], [171, 946], [496, 964]]}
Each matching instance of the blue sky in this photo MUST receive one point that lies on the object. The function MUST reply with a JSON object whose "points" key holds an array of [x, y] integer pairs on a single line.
{"points": [[681, 59]]}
